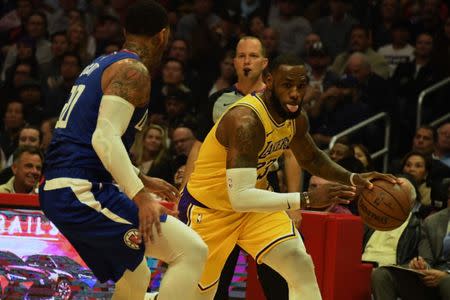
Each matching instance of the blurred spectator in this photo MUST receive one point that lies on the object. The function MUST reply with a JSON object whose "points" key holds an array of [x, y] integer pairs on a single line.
{"points": [[180, 166], [181, 50], [152, 149], [227, 74], [270, 40], [442, 149], [360, 42], [389, 13], [227, 31], [59, 91], [397, 246], [335, 28], [172, 77], [60, 44], [26, 51], [27, 168], [363, 155], [13, 120], [177, 108], [319, 60], [202, 15], [30, 94], [59, 19], [432, 261], [292, 28], [81, 42], [399, 51], [47, 127], [256, 25], [424, 140], [408, 81], [340, 108], [419, 166], [107, 29], [12, 23], [430, 17], [340, 150], [20, 72], [183, 139], [441, 51], [36, 28], [28, 136], [374, 90]]}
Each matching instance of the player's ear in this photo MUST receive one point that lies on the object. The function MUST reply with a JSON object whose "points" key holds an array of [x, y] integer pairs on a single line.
{"points": [[268, 79], [163, 36]]}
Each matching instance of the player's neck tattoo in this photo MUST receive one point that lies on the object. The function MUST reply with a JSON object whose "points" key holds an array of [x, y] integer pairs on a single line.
{"points": [[141, 50]]}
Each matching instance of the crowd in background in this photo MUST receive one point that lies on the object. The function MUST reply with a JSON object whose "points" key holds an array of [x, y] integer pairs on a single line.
{"points": [[362, 57]]}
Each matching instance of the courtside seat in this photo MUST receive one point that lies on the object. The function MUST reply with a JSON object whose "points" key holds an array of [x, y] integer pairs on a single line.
{"points": [[335, 244]]}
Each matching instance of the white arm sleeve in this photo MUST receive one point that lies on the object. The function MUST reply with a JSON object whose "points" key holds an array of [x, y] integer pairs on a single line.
{"points": [[113, 118], [244, 197]]}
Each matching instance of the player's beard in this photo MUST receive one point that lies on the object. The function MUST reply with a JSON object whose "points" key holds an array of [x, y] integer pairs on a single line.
{"points": [[281, 111]]}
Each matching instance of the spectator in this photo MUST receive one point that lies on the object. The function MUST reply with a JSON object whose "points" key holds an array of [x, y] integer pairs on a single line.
{"points": [[202, 15], [375, 91], [27, 167], [432, 262], [30, 94], [13, 23], [183, 139], [291, 27], [408, 81], [340, 108], [28, 136], [424, 140], [152, 148], [399, 51], [334, 29], [13, 121], [340, 150], [363, 155], [442, 150], [26, 52], [47, 127], [256, 25], [22, 71], [36, 28], [397, 246], [81, 42], [319, 75], [389, 13], [419, 167], [107, 29], [177, 108], [59, 19], [360, 42], [270, 40], [60, 45], [227, 74], [59, 90]]}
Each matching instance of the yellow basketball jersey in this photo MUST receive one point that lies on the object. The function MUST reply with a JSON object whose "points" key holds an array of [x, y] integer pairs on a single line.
{"points": [[208, 180]]}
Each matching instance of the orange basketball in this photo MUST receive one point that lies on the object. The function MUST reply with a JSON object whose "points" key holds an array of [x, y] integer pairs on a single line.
{"points": [[385, 207]]}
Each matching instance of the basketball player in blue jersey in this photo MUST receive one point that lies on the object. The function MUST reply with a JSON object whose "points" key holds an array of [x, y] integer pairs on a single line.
{"points": [[112, 230]]}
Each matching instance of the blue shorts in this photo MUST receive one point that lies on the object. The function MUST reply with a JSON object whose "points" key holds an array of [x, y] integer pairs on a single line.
{"points": [[98, 219]]}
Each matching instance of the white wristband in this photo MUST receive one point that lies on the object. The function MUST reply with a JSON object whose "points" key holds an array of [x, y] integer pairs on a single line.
{"points": [[351, 179]]}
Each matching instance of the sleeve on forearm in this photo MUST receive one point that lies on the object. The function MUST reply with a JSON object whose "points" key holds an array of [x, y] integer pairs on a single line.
{"points": [[107, 143], [244, 197]]}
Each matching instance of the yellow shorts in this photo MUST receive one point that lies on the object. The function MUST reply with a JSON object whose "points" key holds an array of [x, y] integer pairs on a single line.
{"points": [[256, 233]]}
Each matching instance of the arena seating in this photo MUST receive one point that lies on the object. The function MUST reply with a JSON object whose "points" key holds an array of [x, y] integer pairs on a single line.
{"points": [[334, 242]]}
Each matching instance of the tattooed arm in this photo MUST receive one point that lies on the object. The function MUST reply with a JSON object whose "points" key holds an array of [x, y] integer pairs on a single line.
{"points": [[241, 132], [126, 85]]}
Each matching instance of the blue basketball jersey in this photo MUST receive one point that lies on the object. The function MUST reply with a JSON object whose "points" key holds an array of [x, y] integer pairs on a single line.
{"points": [[71, 145]]}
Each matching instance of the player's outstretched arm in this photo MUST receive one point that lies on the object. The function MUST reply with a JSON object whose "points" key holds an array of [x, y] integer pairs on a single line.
{"points": [[126, 85], [310, 157]]}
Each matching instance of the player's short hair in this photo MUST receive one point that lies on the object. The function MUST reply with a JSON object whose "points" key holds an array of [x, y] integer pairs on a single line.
{"points": [[285, 59], [146, 17]]}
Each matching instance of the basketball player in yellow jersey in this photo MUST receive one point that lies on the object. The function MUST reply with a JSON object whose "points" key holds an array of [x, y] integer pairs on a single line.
{"points": [[225, 200]]}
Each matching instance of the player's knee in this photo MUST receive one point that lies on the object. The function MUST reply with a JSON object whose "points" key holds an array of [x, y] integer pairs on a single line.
{"points": [[199, 250], [298, 255]]}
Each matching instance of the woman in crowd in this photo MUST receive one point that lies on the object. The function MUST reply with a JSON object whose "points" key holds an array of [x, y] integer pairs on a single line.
{"points": [[418, 165]]}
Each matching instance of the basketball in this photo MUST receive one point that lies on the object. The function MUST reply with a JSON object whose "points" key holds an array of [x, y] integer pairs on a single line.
{"points": [[385, 207]]}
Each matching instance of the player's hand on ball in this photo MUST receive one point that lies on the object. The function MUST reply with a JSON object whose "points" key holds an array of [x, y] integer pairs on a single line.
{"points": [[161, 188], [331, 193], [364, 179]]}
